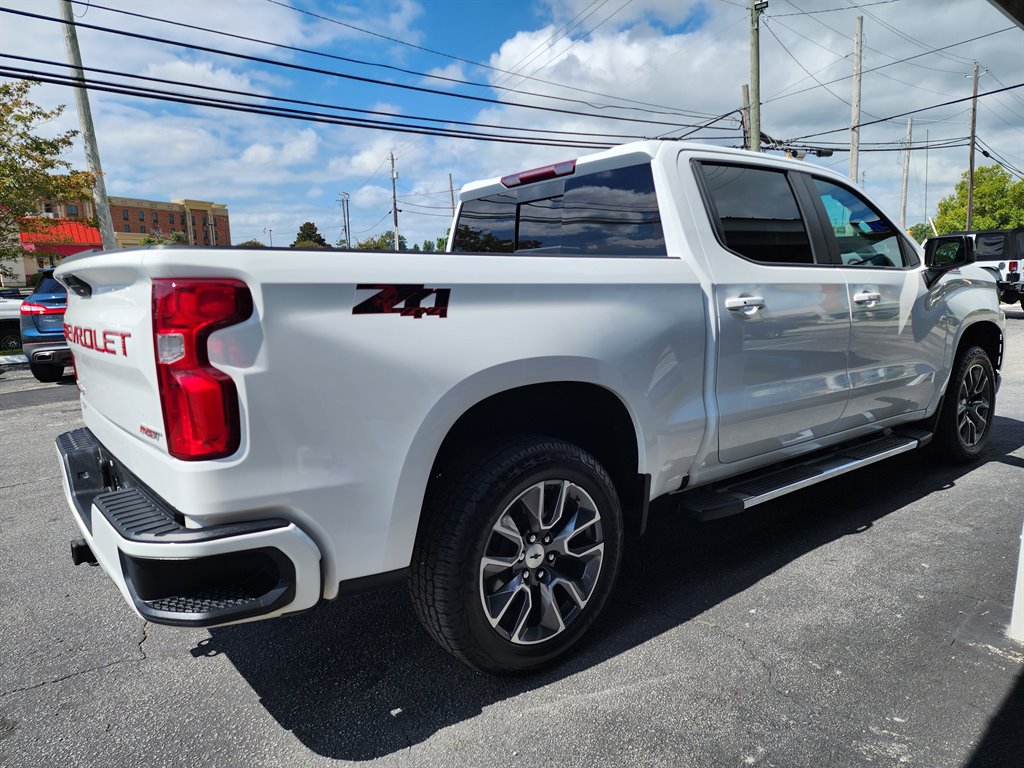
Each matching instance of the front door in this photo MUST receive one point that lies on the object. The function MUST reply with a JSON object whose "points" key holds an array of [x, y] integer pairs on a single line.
{"points": [[897, 342]]}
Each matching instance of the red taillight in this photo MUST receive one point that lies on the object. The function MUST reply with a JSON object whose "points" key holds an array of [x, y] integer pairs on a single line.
{"points": [[200, 402], [1013, 266], [31, 308], [553, 171]]}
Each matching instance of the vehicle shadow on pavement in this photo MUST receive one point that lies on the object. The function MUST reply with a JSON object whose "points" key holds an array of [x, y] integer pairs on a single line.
{"points": [[359, 678], [1003, 741]]}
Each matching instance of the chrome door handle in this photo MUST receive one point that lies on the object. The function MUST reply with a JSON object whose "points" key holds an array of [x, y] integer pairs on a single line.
{"points": [[867, 297], [745, 305]]}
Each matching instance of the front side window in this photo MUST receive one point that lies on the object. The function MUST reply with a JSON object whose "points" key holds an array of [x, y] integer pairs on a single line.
{"points": [[865, 237], [609, 213], [757, 214]]}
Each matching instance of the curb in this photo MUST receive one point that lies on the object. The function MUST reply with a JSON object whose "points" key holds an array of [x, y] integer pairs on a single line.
{"points": [[13, 363]]}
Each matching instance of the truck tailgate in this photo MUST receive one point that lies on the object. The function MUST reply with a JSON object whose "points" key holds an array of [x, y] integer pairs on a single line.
{"points": [[108, 325]]}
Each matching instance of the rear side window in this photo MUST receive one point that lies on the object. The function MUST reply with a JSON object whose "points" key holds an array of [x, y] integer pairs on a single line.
{"points": [[757, 214], [610, 213]]}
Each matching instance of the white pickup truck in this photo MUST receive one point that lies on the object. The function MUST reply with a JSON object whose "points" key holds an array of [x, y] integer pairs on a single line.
{"points": [[489, 423]]}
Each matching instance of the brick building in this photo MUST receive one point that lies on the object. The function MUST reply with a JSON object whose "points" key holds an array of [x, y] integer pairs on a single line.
{"points": [[203, 222]]}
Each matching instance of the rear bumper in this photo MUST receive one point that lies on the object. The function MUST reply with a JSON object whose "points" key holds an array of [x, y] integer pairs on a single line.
{"points": [[47, 352], [172, 574]]}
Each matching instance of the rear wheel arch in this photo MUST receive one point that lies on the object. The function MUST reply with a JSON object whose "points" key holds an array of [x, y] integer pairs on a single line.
{"points": [[584, 414]]}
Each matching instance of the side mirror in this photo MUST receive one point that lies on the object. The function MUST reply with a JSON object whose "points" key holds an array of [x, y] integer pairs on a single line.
{"points": [[948, 252]]}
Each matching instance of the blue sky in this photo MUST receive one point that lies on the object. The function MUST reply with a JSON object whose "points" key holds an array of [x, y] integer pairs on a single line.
{"points": [[681, 56]]}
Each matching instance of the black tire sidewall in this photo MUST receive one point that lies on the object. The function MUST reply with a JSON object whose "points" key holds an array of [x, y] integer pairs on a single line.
{"points": [[949, 434], [48, 373], [553, 460]]}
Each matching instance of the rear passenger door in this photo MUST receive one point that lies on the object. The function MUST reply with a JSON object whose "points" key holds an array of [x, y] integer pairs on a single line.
{"points": [[897, 341], [781, 307]]}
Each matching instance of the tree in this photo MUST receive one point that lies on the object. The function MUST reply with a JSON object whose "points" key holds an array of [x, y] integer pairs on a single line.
{"points": [[998, 202], [175, 238], [309, 237], [920, 231], [383, 242], [250, 244], [31, 168]]}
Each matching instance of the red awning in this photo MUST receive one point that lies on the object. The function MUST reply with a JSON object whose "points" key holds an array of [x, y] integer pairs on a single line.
{"points": [[63, 237]]}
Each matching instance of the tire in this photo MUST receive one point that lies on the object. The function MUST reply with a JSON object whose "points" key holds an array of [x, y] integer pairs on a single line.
{"points": [[965, 422], [48, 373], [505, 589], [10, 338]]}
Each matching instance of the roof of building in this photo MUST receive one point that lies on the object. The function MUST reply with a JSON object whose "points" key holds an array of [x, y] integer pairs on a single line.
{"points": [[64, 232]]}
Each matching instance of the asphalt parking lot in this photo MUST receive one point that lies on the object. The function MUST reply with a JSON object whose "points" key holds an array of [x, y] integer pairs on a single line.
{"points": [[856, 623]]}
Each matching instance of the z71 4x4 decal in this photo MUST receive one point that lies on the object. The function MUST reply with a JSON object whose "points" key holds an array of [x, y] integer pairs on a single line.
{"points": [[402, 299]]}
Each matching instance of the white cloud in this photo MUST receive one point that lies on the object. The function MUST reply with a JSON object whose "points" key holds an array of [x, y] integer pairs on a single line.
{"points": [[454, 71], [679, 57]]}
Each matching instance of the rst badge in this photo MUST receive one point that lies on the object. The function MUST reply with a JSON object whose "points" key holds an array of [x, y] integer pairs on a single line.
{"points": [[403, 299]]}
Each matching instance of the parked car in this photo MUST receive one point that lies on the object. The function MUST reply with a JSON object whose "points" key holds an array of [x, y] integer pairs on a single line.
{"points": [[1001, 252], [10, 327], [42, 329]]}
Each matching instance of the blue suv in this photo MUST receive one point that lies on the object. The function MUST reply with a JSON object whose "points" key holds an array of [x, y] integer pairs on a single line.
{"points": [[42, 329]]}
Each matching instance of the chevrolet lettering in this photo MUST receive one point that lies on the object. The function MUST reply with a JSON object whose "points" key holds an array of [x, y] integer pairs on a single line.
{"points": [[108, 342]]}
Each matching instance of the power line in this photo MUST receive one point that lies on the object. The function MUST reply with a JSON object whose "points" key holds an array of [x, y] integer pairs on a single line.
{"points": [[361, 62], [477, 63], [553, 38], [910, 112], [892, 63], [302, 102], [794, 58], [372, 226], [316, 70], [839, 58], [577, 40], [830, 10], [293, 114], [910, 38]]}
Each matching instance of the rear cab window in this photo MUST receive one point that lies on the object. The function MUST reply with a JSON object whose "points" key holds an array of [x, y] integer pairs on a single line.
{"points": [[605, 213]]}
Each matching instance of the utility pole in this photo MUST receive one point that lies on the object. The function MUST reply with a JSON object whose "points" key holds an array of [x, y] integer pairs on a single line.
{"points": [[906, 173], [344, 219], [92, 152], [926, 173], [271, 238], [394, 198], [970, 172], [745, 116], [756, 8], [451, 194], [858, 45]]}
